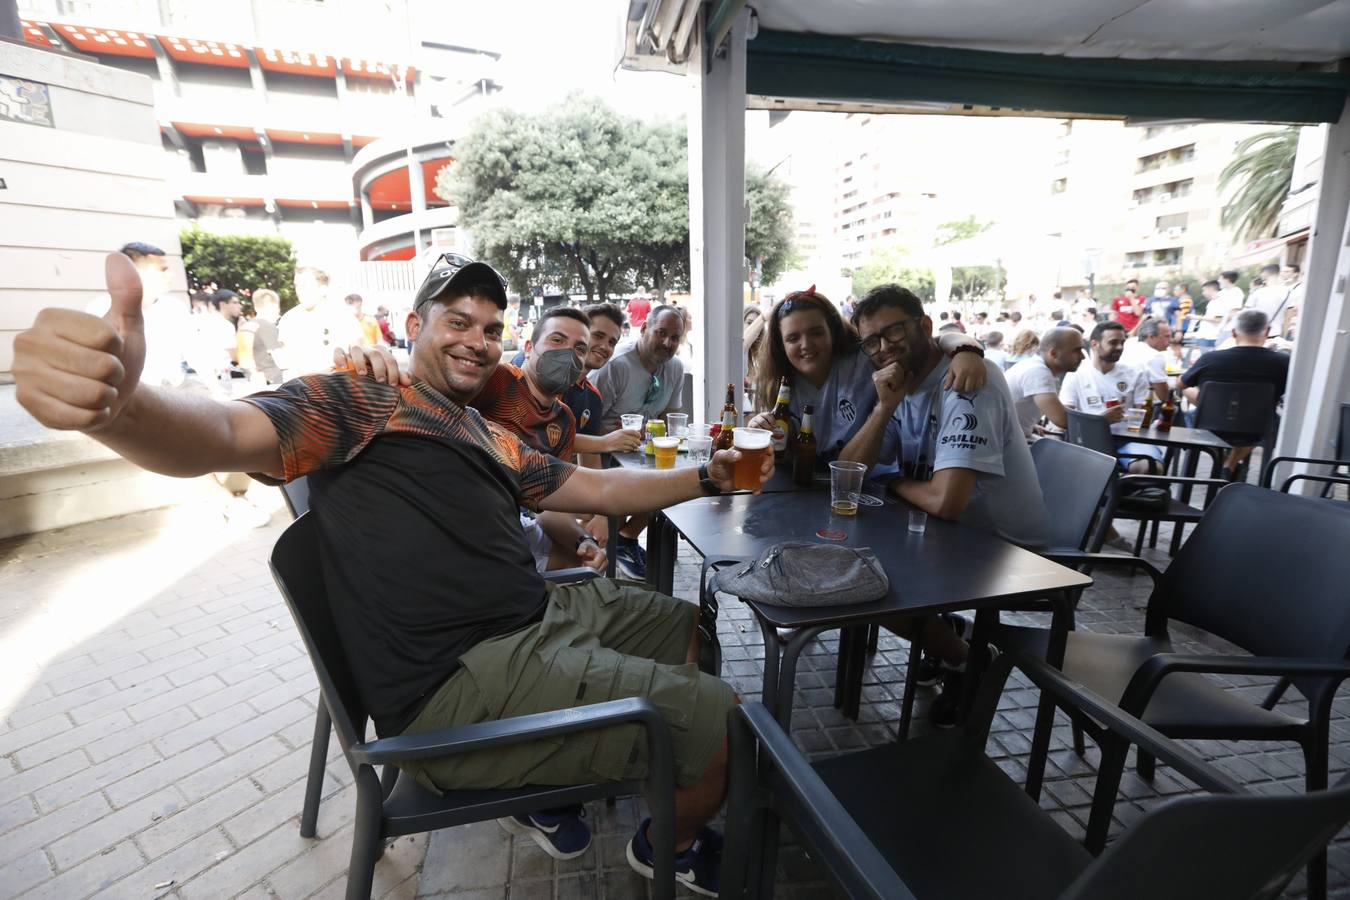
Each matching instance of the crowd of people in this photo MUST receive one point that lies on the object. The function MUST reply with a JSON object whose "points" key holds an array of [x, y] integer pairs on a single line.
{"points": [[470, 478]]}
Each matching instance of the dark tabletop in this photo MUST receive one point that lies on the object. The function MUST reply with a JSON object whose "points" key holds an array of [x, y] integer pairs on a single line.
{"points": [[949, 567], [1176, 436]]}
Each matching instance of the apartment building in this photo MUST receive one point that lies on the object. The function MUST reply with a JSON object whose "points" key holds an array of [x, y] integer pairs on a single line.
{"points": [[325, 123], [1141, 201]]}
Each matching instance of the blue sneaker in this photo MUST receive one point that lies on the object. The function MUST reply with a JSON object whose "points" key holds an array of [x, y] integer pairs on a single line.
{"points": [[698, 868], [559, 832], [633, 558]]}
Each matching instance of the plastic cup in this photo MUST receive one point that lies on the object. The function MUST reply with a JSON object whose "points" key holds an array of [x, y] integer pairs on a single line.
{"points": [[918, 521], [665, 450], [1134, 419], [632, 422], [846, 480], [702, 429], [677, 424], [700, 449], [755, 444]]}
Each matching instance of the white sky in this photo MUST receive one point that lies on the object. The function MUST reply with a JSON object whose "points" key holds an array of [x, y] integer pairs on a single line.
{"points": [[551, 48]]}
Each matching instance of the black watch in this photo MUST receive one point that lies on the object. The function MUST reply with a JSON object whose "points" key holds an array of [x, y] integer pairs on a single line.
{"points": [[583, 539], [707, 484]]}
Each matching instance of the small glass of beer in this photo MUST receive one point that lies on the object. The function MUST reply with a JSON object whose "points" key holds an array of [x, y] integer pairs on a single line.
{"points": [[665, 449], [846, 480], [755, 445]]}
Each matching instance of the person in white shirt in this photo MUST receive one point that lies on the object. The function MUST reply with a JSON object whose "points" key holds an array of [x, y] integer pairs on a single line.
{"points": [[1035, 383], [314, 328], [1107, 388], [1271, 298], [1217, 322], [1148, 353], [1292, 278]]}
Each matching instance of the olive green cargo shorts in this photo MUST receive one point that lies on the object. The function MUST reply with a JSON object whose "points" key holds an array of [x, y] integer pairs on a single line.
{"points": [[599, 640]]}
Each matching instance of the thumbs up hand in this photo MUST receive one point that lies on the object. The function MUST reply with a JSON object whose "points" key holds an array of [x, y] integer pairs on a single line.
{"points": [[76, 372]]}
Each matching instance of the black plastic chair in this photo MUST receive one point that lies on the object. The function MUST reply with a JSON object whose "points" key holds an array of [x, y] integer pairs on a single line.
{"points": [[1094, 432], [402, 806], [1242, 413], [1294, 620], [951, 824], [296, 495]]}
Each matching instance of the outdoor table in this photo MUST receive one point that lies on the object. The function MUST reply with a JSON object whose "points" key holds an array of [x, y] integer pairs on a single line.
{"points": [[1192, 441], [949, 567]]}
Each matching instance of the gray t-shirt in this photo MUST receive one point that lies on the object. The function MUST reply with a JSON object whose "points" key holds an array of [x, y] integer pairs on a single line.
{"points": [[1025, 380], [936, 429], [626, 387]]}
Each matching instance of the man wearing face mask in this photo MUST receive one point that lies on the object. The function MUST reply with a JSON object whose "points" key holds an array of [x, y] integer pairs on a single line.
{"points": [[528, 401]]}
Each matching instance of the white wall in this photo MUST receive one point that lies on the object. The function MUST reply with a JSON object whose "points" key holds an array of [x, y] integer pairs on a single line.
{"points": [[75, 191]]}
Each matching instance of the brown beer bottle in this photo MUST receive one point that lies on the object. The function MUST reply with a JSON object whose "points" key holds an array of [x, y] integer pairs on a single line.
{"points": [[782, 419], [1148, 412], [726, 436], [804, 451], [1167, 413]]}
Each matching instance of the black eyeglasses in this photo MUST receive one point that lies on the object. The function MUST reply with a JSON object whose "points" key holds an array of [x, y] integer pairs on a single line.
{"points": [[892, 333]]}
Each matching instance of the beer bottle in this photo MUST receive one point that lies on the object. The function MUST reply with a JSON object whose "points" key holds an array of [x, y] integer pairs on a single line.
{"points": [[1148, 411], [1167, 413], [804, 451], [781, 419], [726, 436]]}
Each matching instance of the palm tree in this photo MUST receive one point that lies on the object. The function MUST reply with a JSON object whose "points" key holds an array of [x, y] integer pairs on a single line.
{"points": [[1265, 165]]}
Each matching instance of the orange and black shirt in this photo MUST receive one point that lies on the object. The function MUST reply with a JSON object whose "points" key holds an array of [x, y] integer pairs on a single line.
{"points": [[506, 400], [416, 500]]}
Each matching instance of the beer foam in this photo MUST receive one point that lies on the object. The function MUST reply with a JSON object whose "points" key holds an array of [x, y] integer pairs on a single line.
{"points": [[751, 439], [665, 443]]}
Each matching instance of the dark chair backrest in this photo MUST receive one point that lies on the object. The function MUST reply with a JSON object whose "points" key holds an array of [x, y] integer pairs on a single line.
{"points": [[296, 495], [297, 568], [1236, 408], [1343, 435], [1267, 571], [1073, 479], [1216, 846], [1090, 431]]}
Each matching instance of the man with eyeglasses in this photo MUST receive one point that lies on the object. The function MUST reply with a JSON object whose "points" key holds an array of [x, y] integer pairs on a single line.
{"points": [[961, 454], [646, 378], [455, 626]]}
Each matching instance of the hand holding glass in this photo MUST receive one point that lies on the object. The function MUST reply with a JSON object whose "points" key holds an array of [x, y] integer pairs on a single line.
{"points": [[755, 444]]}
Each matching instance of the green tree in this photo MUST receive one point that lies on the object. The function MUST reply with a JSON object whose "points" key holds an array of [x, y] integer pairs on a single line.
{"points": [[768, 231], [583, 198], [977, 282], [1263, 167], [888, 267], [242, 264]]}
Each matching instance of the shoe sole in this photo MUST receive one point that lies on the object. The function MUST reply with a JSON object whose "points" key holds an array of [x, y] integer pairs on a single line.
{"points": [[631, 572], [649, 873], [510, 825]]}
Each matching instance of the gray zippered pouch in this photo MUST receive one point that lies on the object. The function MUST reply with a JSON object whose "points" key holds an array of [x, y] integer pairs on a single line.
{"points": [[799, 573]]}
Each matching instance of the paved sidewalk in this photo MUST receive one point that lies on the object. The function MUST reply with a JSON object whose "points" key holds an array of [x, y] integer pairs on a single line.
{"points": [[156, 709]]}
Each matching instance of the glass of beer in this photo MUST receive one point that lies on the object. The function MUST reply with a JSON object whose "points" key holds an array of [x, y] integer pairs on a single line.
{"points": [[846, 479], [665, 449], [755, 445]]}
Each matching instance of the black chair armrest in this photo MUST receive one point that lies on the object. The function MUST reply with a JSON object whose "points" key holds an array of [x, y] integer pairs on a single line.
{"points": [[1149, 675], [1166, 479], [1268, 471], [1069, 694], [1079, 557], [1319, 479], [567, 576], [502, 732], [849, 850]]}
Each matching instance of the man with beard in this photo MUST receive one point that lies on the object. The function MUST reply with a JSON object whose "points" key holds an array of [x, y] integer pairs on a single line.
{"points": [[455, 626], [1107, 388], [1034, 383], [962, 455], [584, 398]]}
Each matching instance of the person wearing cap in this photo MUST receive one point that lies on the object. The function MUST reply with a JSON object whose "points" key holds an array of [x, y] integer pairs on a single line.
{"points": [[456, 625]]}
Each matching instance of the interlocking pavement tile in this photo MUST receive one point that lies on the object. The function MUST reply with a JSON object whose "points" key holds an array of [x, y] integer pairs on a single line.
{"points": [[469, 856], [99, 834], [195, 819], [41, 832], [91, 875]]}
